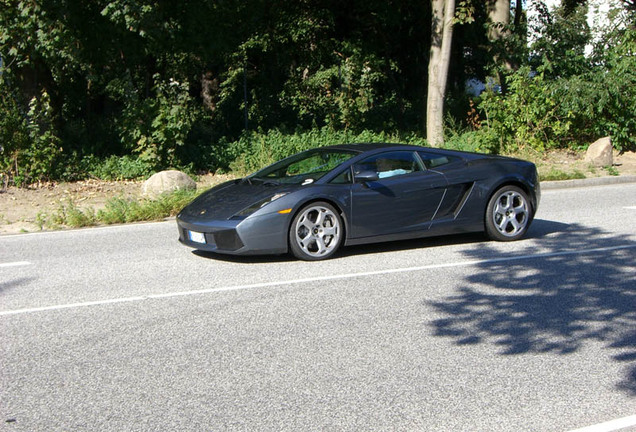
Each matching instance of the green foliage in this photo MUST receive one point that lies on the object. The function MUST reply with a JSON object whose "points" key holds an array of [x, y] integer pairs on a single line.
{"points": [[120, 210], [565, 99], [118, 88], [256, 150], [612, 171], [472, 141], [603, 99], [14, 135], [29, 140], [72, 216], [155, 128], [344, 94], [117, 210], [120, 168], [464, 12], [528, 115], [560, 40], [555, 174], [67, 214], [44, 145]]}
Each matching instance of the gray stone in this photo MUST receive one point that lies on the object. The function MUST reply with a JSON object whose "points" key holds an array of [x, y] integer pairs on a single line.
{"points": [[600, 153], [167, 181]]}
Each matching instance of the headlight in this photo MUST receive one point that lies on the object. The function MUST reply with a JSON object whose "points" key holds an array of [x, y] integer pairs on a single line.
{"points": [[257, 205]]}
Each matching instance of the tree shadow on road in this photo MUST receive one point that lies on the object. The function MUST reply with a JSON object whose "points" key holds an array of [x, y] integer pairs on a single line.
{"points": [[581, 288], [12, 284]]}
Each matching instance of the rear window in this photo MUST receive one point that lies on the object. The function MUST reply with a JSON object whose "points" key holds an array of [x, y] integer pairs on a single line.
{"points": [[432, 160]]}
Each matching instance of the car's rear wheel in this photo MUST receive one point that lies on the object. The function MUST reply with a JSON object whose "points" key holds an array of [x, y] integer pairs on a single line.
{"points": [[316, 232], [508, 214]]}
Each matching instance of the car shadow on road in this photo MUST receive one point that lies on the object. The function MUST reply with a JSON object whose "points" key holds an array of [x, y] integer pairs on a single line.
{"points": [[579, 288], [538, 229], [245, 259], [541, 228]]}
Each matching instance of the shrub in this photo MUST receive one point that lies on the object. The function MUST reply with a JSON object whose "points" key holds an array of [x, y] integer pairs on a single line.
{"points": [[155, 128], [257, 150], [528, 115], [121, 168], [120, 210], [29, 139]]}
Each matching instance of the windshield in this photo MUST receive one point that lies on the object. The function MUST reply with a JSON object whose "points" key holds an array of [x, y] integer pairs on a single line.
{"points": [[303, 168]]}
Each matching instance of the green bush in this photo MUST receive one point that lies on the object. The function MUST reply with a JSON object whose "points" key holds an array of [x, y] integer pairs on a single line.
{"points": [[117, 210], [528, 115], [155, 128], [257, 150], [120, 210], [120, 168], [603, 99], [351, 93], [30, 143]]}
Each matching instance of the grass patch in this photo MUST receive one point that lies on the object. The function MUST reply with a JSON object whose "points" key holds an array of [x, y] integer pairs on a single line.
{"points": [[555, 174], [120, 210], [611, 170], [117, 210]]}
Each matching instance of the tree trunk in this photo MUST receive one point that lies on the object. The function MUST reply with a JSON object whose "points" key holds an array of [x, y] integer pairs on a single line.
{"points": [[499, 15], [518, 14], [442, 34], [499, 21]]}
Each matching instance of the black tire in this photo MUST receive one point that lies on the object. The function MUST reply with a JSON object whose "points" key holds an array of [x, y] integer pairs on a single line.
{"points": [[316, 232], [508, 214]]}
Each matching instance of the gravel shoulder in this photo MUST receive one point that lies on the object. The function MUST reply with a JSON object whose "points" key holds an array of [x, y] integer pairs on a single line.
{"points": [[21, 208]]}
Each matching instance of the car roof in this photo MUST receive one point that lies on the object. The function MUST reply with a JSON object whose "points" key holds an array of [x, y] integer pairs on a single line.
{"points": [[379, 147]]}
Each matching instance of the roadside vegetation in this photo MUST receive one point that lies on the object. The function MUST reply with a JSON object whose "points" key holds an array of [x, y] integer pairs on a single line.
{"points": [[120, 89], [117, 210]]}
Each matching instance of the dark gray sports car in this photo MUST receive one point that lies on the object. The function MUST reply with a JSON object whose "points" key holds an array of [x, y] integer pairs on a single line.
{"points": [[314, 202]]}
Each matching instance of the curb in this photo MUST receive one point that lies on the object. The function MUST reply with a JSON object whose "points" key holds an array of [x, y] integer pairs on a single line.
{"points": [[596, 181]]}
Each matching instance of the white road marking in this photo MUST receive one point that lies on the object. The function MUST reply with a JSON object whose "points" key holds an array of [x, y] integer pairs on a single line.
{"points": [[311, 280], [87, 230], [612, 425], [15, 264], [631, 208]]}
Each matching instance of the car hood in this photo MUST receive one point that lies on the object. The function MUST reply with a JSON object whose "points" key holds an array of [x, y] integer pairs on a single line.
{"points": [[226, 200]]}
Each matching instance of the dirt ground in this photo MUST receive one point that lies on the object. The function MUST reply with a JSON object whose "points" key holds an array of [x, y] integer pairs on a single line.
{"points": [[20, 207]]}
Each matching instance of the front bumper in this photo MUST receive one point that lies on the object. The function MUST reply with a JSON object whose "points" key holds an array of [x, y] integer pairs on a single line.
{"points": [[265, 234]]}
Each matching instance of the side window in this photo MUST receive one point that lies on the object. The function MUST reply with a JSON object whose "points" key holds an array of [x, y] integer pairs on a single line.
{"points": [[390, 164], [432, 160], [342, 178]]}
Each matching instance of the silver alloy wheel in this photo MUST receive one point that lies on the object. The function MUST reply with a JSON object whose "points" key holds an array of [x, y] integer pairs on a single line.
{"points": [[317, 231], [511, 213]]}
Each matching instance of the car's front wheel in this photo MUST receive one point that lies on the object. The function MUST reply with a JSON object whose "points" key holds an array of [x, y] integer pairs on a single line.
{"points": [[316, 232], [508, 214]]}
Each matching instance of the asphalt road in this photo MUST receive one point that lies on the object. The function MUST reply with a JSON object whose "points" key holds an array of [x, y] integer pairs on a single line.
{"points": [[124, 329]]}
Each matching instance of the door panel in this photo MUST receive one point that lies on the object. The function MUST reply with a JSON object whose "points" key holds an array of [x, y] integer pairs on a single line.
{"points": [[396, 204], [460, 180]]}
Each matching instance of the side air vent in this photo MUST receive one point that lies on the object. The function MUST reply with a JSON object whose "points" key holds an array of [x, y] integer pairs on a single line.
{"points": [[464, 197]]}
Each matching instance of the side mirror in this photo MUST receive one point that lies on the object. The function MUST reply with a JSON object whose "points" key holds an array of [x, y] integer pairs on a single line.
{"points": [[365, 176]]}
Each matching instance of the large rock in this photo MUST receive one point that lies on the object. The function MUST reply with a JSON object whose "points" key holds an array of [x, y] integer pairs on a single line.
{"points": [[167, 181], [600, 153]]}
